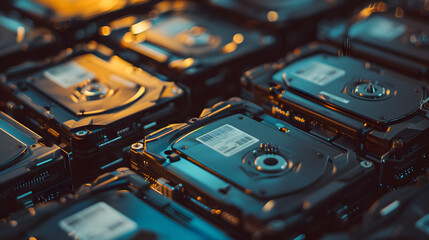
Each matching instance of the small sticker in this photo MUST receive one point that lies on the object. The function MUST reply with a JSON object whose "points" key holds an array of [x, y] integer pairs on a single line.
{"points": [[319, 73], [423, 224], [68, 74], [98, 222], [385, 29], [325, 96], [227, 140]]}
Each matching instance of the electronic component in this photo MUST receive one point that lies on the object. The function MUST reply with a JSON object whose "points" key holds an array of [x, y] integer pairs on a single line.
{"points": [[118, 205], [21, 41], [398, 42], [188, 43], [418, 8], [401, 214], [294, 21], [76, 20], [378, 113], [30, 172], [93, 100], [260, 175]]}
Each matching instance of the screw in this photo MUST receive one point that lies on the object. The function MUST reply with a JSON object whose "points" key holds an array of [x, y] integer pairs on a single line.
{"points": [[176, 91], [366, 164], [137, 146], [185, 147], [81, 133]]}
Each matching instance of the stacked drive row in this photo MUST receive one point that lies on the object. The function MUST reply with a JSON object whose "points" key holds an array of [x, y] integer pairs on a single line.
{"points": [[214, 119]]}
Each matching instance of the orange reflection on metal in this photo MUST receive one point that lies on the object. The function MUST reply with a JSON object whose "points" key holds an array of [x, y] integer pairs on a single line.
{"points": [[238, 38], [128, 37], [20, 33], [334, 170], [296, 52], [299, 119], [298, 168], [230, 47], [123, 22], [382, 7], [140, 27], [367, 65], [105, 30], [272, 16], [86, 8], [399, 13], [182, 63]]}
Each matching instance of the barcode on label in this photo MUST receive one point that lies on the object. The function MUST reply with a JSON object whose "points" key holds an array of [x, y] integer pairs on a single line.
{"points": [[319, 73], [227, 140], [99, 221], [68, 74]]}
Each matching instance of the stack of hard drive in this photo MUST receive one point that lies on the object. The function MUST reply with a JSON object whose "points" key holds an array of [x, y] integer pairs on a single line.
{"points": [[214, 119]]}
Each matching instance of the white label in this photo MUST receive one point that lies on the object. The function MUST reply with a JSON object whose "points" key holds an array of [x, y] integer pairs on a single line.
{"points": [[325, 96], [384, 29], [68, 74], [98, 222], [423, 224], [319, 73], [227, 140]]}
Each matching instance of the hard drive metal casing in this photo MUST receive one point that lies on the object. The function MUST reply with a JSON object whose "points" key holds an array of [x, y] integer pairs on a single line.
{"points": [[30, 172], [187, 43], [277, 196], [118, 205], [417, 8], [388, 126], [399, 43], [21, 41], [295, 21], [76, 20], [93, 100], [399, 214]]}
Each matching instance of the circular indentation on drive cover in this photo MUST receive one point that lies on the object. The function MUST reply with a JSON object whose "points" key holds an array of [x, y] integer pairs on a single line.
{"points": [[303, 168], [97, 97], [88, 85], [369, 90], [11, 149], [270, 163], [195, 37], [94, 90]]}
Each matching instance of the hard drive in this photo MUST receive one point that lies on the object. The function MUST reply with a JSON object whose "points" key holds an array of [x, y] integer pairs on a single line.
{"points": [[418, 8], [76, 20], [401, 214], [294, 20], [190, 44], [396, 41], [378, 113], [20, 40], [30, 172], [118, 205], [255, 174], [95, 101]]}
